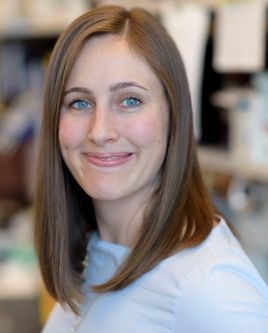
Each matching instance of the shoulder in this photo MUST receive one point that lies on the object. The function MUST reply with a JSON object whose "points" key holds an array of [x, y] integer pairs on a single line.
{"points": [[218, 286], [219, 253], [214, 287], [60, 320]]}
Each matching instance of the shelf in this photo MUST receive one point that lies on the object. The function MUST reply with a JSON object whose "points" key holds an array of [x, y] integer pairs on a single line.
{"points": [[219, 160], [28, 32]]}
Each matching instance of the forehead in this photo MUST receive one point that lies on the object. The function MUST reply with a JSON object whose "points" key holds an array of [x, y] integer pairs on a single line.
{"points": [[110, 56]]}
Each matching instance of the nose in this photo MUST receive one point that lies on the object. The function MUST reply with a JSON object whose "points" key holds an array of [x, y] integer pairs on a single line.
{"points": [[102, 128]]}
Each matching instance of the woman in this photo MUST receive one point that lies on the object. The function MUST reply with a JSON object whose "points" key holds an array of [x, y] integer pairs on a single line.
{"points": [[127, 237]]}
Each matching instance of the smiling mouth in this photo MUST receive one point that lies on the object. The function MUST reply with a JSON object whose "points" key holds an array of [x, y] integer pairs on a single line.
{"points": [[108, 159]]}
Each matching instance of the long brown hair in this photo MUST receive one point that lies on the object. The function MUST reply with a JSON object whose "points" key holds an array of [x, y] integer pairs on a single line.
{"points": [[180, 213]]}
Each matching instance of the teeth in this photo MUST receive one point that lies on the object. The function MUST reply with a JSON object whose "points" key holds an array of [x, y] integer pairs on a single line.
{"points": [[112, 158]]}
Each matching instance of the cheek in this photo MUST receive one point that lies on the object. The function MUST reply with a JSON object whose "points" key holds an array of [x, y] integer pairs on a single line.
{"points": [[150, 133], [71, 133]]}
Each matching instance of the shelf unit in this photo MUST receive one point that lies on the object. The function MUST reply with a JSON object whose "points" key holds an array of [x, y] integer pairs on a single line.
{"points": [[221, 161]]}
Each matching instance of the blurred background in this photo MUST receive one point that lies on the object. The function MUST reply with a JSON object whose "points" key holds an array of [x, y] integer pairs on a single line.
{"points": [[224, 47]]}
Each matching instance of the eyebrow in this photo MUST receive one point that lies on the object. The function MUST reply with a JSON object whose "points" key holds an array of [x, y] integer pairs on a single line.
{"points": [[113, 88], [122, 85], [77, 89]]}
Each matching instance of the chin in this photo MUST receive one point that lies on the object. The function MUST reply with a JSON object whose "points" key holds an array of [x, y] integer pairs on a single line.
{"points": [[104, 194]]}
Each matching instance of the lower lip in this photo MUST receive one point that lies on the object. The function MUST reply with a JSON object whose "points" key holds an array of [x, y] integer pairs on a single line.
{"points": [[108, 162]]}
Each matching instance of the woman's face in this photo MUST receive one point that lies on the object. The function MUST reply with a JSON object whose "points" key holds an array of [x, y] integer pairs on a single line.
{"points": [[114, 122]]}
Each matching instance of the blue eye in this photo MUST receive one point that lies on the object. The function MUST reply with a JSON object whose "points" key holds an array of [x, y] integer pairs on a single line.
{"points": [[131, 102], [80, 104]]}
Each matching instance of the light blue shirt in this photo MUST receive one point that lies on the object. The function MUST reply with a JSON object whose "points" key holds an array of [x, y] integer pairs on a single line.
{"points": [[212, 288]]}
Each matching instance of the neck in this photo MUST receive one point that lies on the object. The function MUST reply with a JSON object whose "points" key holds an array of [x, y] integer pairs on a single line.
{"points": [[120, 221]]}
